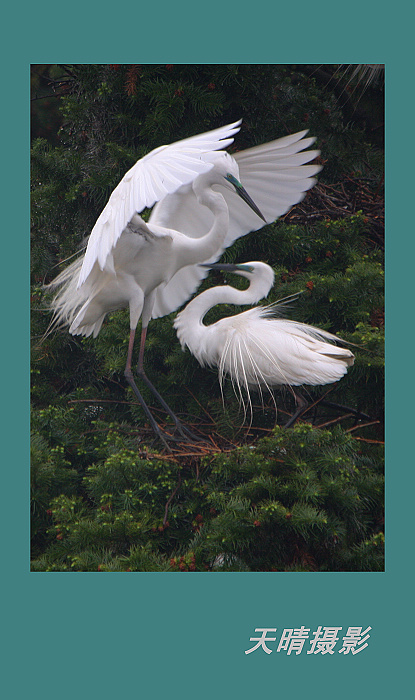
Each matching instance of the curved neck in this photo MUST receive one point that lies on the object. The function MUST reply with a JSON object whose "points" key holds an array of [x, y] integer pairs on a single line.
{"points": [[196, 250], [197, 309]]}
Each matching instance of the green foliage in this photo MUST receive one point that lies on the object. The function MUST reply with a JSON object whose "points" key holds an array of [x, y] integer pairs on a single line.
{"points": [[308, 499], [304, 499]]}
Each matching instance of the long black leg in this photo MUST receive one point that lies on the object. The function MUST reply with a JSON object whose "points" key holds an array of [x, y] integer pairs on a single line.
{"points": [[355, 411], [159, 433], [130, 379], [302, 406], [181, 429]]}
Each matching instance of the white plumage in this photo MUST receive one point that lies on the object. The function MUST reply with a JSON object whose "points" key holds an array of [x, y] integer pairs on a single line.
{"points": [[276, 177], [159, 173], [255, 349], [152, 268], [117, 260]]}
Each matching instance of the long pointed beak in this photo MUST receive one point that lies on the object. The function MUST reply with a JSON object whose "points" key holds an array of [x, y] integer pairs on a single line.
{"points": [[243, 194], [226, 267]]}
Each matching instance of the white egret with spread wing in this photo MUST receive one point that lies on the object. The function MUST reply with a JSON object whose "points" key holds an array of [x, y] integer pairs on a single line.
{"points": [[152, 268], [255, 349]]}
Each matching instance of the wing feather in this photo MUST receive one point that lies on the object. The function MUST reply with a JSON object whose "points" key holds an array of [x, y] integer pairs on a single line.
{"points": [[153, 177], [274, 174]]}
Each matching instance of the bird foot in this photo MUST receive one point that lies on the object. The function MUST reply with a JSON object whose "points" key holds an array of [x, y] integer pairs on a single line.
{"points": [[187, 434], [181, 434]]}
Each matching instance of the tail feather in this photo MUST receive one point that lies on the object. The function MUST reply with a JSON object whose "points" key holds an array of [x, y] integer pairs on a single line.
{"points": [[67, 301], [70, 303]]}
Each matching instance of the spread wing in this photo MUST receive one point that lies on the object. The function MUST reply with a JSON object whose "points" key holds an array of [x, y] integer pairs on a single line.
{"points": [[274, 174], [159, 173]]}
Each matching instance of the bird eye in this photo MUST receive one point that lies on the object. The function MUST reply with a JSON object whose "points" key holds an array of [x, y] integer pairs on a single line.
{"points": [[232, 179]]}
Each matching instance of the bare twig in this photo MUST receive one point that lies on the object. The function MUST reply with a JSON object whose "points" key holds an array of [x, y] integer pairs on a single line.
{"points": [[170, 499], [374, 442], [363, 425]]}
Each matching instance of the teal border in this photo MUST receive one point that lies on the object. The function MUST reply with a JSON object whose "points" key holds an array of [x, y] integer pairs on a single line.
{"points": [[163, 635]]}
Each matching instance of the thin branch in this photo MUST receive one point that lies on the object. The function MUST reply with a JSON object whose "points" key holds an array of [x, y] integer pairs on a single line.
{"points": [[363, 425], [44, 97], [170, 500], [374, 442]]}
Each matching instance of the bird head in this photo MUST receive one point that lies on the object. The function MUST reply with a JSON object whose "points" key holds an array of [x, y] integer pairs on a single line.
{"points": [[259, 274], [241, 192], [226, 168]]}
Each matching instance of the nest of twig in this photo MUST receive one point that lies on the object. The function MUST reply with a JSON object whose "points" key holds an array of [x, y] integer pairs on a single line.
{"points": [[211, 442], [343, 199]]}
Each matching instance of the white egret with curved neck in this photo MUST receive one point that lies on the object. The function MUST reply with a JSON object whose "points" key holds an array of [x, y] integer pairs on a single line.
{"points": [[152, 268], [255, 349]]}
